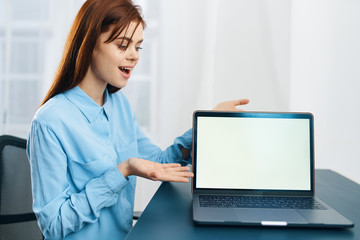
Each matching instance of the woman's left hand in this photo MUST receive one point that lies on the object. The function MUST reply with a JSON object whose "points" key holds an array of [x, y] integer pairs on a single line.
{"points": [[231, 106]]}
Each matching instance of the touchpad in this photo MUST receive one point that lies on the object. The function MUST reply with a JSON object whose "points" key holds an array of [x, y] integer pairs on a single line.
{"points": [[269, 215]]}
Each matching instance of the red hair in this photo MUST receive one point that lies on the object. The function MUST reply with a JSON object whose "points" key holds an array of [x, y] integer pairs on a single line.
{"points": [[94, 17]]}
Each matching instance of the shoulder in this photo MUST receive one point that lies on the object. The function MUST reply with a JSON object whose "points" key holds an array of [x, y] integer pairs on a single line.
{"points": [[55, 109]]}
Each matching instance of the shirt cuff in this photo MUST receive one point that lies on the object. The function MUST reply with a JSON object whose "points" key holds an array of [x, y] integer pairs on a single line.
{"points": [[115, 180], [185, 140]]}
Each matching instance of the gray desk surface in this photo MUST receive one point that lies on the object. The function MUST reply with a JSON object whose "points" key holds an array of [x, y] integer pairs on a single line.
{"points": [[169, 215]]}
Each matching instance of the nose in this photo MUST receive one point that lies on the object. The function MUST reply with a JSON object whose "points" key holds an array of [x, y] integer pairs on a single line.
{"points": [[132, 54]]}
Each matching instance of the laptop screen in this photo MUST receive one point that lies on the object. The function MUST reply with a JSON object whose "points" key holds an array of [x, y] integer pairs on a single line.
{"points": [[253, 151]]}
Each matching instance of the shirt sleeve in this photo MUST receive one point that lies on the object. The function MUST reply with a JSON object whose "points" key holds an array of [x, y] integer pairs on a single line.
{"points": [[172, 154], [59, 208]]}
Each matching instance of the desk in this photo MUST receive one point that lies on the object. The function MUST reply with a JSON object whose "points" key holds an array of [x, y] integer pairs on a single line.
{"points": [[169, 215]]}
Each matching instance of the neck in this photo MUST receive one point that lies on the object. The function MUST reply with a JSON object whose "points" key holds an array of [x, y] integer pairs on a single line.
{"points": [[93, 87]]}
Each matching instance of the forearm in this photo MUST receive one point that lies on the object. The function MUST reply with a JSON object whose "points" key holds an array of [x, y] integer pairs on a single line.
{"points": [[179, 151], [68, 213]]}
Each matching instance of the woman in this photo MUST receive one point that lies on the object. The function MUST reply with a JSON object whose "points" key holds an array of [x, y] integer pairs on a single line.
{"points": [[85, 146]]}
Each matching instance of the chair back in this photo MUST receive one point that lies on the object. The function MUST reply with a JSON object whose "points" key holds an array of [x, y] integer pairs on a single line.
{"points": [[17, 220]]}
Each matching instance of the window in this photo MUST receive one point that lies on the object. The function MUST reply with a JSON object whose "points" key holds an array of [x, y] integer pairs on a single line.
{"points": [[141, 89], [24, 33], [30, 51]]}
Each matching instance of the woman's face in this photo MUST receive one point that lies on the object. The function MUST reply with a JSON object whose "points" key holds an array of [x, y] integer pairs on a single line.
{"points": [[113, 62]]}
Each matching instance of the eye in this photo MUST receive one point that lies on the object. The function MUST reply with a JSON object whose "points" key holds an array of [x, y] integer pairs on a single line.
{"points": [[138, 48], [122, 46]]}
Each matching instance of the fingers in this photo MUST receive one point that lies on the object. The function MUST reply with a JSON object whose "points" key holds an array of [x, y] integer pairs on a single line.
{"points": [[172, 173], [170, 165], [179, 179], [238, 102], [173, 178], [231, 105]]}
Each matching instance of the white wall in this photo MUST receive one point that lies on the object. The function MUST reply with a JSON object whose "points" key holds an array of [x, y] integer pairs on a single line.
{"points": [[299, 55], [242, 53], [252, 53], [325, 78], [217, 50]]}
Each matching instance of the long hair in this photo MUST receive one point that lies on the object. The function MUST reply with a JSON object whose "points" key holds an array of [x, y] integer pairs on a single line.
{"points": [[94, 18]]}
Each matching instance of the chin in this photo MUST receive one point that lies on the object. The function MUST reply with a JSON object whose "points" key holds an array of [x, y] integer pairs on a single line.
{"points": [[120, 85]]}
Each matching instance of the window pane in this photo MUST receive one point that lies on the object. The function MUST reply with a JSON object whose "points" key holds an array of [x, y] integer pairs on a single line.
{"points": [[24, 100], [2, 12], [151, 9], [2, 57], [30, 10], [26, 33], [143, 66], [138, 94], [2, 95], [24, 57]]}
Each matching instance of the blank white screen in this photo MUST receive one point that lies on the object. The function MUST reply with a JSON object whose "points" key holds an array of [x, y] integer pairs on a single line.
{"points": [[253, 153]]}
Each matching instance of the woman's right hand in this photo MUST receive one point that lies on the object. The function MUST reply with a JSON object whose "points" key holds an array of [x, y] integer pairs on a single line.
{"points": [[170, 172], [231, 105]]}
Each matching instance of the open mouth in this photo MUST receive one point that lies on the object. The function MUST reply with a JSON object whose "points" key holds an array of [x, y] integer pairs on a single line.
{"points": [[125, 70]]}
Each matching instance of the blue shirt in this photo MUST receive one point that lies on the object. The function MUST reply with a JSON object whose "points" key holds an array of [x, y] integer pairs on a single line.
{"points": [[74, 147]]}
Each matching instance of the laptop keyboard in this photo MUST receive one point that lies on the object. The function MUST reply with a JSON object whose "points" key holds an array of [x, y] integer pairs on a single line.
{"points": [[218, 201]]}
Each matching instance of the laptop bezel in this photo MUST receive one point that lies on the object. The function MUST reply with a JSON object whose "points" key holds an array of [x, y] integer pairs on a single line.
{"points": [[290, 115]]}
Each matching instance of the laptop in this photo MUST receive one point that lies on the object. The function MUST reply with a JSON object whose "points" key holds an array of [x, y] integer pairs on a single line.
{"points": [[257, 169]]}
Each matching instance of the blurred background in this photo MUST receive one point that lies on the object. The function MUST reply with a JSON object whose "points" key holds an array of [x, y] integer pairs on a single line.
{"points": [[284, 55]]}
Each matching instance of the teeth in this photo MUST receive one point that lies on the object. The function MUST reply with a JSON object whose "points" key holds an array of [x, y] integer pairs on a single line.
{"points": [[125, 68]]}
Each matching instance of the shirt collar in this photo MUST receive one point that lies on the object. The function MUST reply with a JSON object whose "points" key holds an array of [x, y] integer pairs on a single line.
{"points": [[86, 104], [107, 104]]}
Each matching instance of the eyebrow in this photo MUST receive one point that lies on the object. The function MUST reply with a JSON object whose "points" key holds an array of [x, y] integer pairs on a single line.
{"points": [[129, 39]]}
